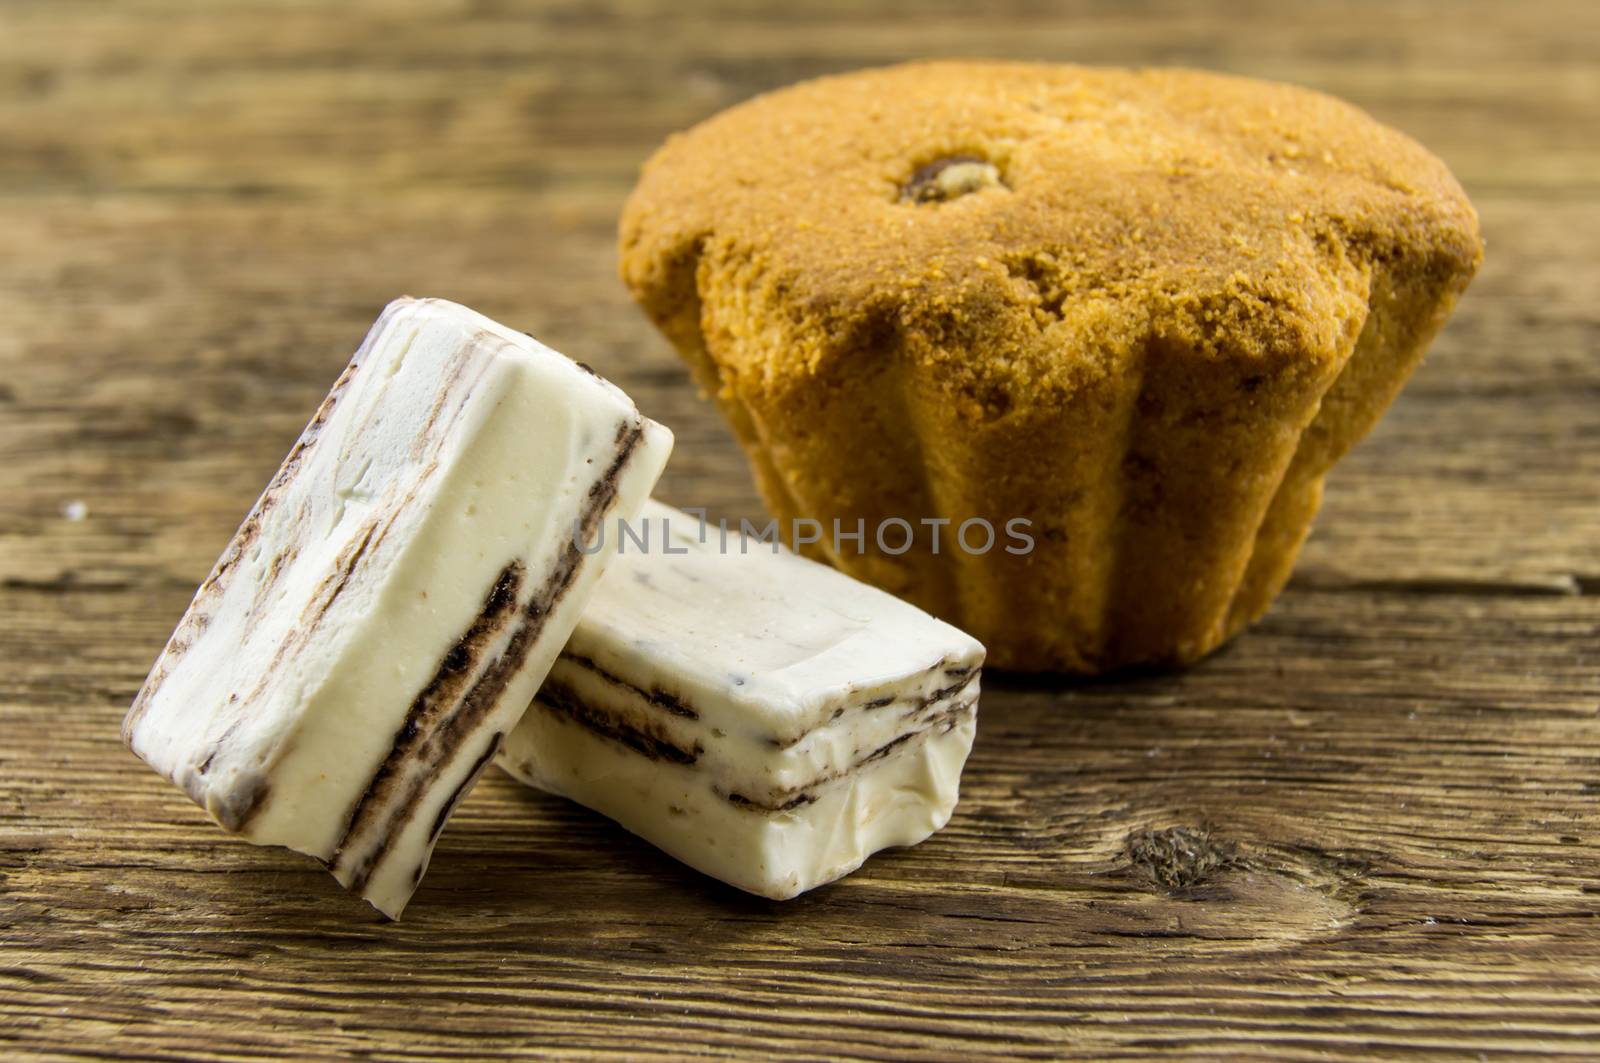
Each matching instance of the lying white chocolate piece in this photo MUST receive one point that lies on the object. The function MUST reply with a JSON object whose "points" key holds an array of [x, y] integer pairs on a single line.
{"points": [[761, 717], [397, 594]]}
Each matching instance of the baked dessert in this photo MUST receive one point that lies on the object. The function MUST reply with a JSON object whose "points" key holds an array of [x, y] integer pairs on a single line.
{"points": [[1141, 311]]}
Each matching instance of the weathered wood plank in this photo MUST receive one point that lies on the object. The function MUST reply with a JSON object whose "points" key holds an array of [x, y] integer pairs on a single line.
{"points": [[1370, 826], [1412, 864]]}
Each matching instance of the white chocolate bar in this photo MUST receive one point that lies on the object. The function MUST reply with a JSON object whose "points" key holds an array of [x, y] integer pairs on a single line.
{"points": [[763, 718], [396, 596]]}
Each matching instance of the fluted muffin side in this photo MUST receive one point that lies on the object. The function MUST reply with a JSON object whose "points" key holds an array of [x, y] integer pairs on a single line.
{"points": [[1155, 368]]}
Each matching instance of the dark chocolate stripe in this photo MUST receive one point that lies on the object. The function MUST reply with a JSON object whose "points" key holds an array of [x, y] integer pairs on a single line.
{"points": [[793, 798], [455, 797], [660, 698], [795, 802], [887, 748], [387, 814], [673, 704], [945, 692], [444, 689], [564, 701], [967, 675]]}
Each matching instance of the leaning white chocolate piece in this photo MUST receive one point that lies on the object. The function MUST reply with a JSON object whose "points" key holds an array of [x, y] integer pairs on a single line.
{"points": [[763, 718], [397, 594]]}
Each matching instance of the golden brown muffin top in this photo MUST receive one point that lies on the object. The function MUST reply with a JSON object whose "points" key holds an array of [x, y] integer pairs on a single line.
{"points": [[1006, 222]]}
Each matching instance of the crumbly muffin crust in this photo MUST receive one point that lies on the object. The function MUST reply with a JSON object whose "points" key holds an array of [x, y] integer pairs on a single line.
{"points": [[1145, 310]]}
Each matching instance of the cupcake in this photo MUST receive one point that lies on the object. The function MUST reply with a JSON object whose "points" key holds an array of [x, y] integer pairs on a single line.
{"points": [[1123, 320]]}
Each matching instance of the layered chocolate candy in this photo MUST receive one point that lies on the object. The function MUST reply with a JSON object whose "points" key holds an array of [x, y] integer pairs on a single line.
{"points": [[386, 611], [763, 718]]}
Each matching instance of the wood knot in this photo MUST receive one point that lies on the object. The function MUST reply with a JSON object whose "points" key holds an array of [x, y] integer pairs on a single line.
{"points": [[1179, 858]]}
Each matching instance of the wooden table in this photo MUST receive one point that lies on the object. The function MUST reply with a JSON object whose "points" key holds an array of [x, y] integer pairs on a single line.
{"points": [[1371, 825]]}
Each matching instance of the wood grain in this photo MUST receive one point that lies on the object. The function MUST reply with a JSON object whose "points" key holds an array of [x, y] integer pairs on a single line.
{"points": [[1370, 827]]}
